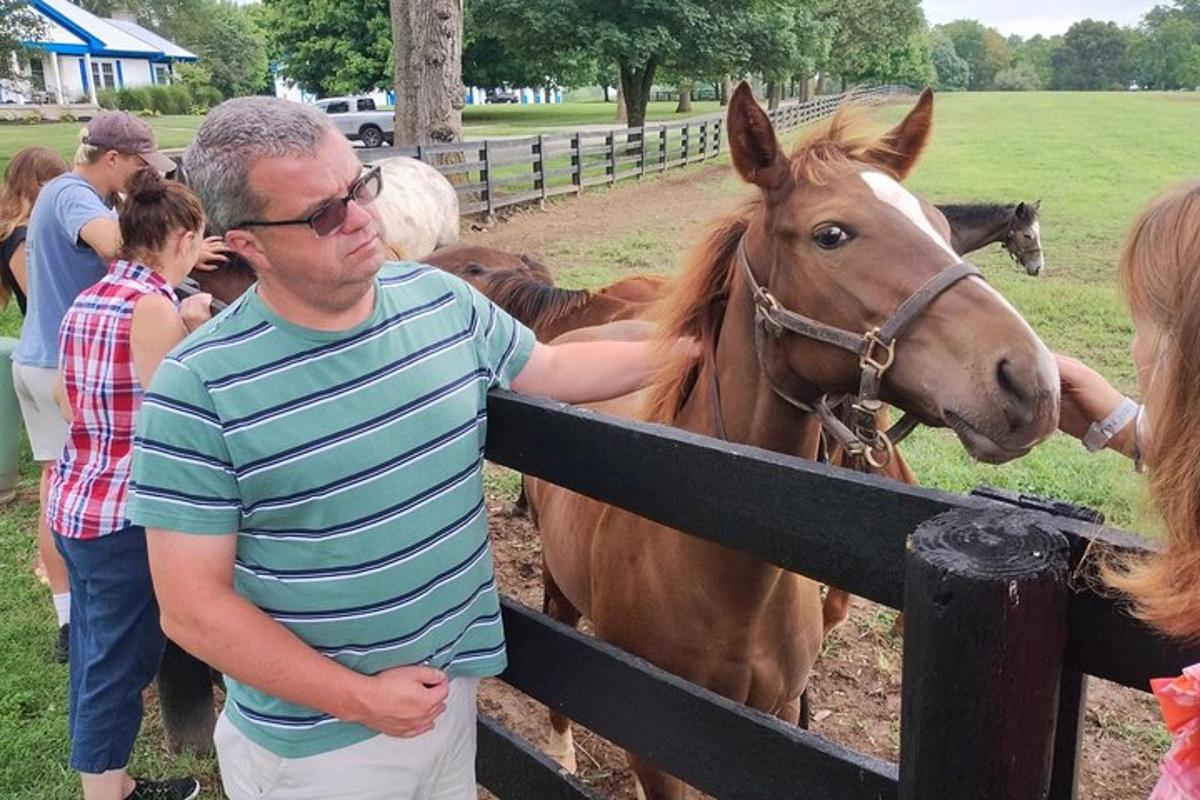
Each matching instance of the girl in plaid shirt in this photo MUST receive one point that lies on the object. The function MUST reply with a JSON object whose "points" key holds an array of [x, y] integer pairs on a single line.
{"points": [[112, 340]]}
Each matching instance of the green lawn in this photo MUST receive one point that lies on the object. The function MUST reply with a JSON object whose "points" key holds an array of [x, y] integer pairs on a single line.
{"points": [[478, 122], [1093, 159], [64, 136]]}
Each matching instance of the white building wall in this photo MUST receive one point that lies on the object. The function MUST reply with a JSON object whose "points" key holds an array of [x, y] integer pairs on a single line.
{"points": [[73, 88], [136, 72]]}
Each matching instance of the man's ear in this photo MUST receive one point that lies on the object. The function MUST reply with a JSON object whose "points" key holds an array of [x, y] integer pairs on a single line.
{"points": [[249, 247]]}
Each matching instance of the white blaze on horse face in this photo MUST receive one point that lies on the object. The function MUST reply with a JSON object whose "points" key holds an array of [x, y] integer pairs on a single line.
{"points": [[889, 191]]}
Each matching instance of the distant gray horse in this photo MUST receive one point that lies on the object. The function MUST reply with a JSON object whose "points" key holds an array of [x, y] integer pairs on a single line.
{"points": [[977, 225]]}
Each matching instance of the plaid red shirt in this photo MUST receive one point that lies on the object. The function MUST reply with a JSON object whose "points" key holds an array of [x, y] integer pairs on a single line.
{"points": [[91, 478]]}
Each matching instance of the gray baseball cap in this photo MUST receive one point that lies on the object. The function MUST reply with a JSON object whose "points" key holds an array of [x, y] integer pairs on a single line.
{"points": [[125, 133]]}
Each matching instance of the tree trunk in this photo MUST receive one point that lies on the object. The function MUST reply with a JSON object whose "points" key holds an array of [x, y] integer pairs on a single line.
{"points": [[636, 81], [685, 99], [607, 99], [622, 114], [774, 93], [427, 38], [726, 89], [806, 82]]}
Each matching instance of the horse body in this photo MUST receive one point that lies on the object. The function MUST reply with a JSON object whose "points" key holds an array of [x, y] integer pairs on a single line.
{"points": [[418, 208], [834, 236], [975, 226]]}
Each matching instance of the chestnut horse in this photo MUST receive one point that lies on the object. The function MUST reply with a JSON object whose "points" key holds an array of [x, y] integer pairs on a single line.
{"points": [[831, 234]]}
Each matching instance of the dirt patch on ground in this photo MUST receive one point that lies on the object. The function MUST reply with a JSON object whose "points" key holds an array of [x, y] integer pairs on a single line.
{"points": [[856, 686]]}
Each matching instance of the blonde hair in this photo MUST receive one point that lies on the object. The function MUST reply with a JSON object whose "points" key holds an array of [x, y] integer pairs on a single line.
{"points": [[1160, 274], [86, 153]]}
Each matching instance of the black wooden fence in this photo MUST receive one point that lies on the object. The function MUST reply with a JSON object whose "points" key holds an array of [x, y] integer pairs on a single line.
{"points": [[998, 639], [490, 174]]}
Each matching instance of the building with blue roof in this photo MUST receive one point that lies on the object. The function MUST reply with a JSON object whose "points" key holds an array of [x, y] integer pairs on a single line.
{"points": [[78, 53]]}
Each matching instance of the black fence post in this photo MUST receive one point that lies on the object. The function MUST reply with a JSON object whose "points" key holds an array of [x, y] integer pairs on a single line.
{"points": [[662, 148], [1068, 734], [611, 141], [576, 164], [985, 600], [539, 169], [485, 152]]}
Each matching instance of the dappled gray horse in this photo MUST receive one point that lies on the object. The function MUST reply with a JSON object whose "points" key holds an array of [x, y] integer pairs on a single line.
{"points": [[1016, 227]]}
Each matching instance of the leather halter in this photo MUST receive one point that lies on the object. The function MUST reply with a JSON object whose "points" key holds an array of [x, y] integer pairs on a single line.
{"points": [[858, 434], [1014, 250]]}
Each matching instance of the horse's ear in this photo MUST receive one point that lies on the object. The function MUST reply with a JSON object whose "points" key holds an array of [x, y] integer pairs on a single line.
{"points": [[900, 148], [1022, 211], [1037, 204], [752, 143]]}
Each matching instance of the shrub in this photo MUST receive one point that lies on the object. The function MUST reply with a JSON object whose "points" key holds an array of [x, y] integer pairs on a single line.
{"points": [[67, 116], [1021, 78], [135, 98], [33, 118], [109, 99]]}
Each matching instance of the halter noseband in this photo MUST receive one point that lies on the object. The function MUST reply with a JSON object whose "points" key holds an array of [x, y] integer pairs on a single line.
{"points": [[858, 434]]}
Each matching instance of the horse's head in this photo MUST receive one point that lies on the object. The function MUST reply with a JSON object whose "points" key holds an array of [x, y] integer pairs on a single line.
{"points": [[1024, 240], [836, 238]]}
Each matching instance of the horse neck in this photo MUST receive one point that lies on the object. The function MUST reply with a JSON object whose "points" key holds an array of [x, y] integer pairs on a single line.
{"points": [[751, 412], [975, 227]]}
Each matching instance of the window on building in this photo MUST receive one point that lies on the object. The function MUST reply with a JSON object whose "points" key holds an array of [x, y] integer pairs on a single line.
{"points": [[103, 74], [366, 104], [338, 108], [162, 74], [37, 75]]}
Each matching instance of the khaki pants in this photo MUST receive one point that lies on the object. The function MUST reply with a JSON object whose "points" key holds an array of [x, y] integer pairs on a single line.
{"points": [[439, 765]]}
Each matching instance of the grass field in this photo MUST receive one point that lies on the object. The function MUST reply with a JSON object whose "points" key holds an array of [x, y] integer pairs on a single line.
{"points": [[478, 122], [1093, 159]]}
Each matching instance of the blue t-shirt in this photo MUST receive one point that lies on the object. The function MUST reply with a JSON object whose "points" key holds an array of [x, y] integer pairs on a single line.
{"points": [[61, 265]]}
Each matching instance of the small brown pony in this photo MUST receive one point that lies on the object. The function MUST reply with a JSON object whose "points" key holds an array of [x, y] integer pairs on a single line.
{"points": [[831, 234]]}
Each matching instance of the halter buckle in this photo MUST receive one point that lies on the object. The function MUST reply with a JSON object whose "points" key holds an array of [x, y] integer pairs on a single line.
{"points": [[882, 445], [864, 419], [868, 359], [768, 307]]}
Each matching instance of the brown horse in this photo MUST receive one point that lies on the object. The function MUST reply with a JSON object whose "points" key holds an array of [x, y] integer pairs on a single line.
{"points": [[832, 235]]}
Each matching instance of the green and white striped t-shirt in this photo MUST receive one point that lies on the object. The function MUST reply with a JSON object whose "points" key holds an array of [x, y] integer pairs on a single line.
{"points": [[350, 465]]}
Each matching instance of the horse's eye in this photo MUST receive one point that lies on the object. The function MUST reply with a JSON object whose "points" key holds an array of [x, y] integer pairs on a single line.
{"points": [[829, 237]]}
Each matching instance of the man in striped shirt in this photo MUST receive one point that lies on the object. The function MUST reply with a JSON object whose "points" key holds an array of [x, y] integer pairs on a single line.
{"points": [[309, 470]]}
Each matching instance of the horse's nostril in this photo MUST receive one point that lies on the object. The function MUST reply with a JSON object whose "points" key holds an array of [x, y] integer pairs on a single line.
{"points": [[1019, 408]]}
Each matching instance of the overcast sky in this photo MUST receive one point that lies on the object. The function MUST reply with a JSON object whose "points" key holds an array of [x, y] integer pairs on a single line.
{"points": [[1027, 17]]}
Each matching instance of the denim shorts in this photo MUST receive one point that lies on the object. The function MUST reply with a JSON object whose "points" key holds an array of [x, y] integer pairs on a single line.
{"points": [[116, 645]]}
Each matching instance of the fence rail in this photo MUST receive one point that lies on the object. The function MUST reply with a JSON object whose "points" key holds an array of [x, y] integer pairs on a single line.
{"points": [[491, 174], [851, 530]]}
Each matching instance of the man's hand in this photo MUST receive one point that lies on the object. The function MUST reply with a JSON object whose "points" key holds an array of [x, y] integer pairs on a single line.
{"points": [[1086, 396], [212, 254], [403, 701], [196, 310]]}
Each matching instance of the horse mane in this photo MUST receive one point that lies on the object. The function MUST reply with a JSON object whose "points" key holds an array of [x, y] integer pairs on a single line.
{"points": [[693, 306], [531, 301], [977, 213]]}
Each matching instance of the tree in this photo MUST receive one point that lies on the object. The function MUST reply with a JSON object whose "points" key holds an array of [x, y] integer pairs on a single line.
{"points": [[1037, 52], [17, 25], [984, 49], [1021, 78], [639, 38], [1092, 56], [489, 61], [326, 47], [879, 41], [1164, 52], [951, 72], [427, 36]]}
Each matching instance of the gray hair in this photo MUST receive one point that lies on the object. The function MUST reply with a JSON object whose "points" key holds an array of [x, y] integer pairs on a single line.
{"points": [[236, 135]]}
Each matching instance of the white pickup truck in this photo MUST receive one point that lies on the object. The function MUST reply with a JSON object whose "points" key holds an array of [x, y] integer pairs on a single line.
{"points": [[358, 119]]}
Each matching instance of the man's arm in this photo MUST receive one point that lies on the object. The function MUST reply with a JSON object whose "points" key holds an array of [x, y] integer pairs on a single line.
{"points": [[586, 372], [102, 234], [201, 611]]}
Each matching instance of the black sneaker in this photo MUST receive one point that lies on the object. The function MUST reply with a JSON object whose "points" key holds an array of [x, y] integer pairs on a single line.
{"points": [[178, 789], [62, 645]]}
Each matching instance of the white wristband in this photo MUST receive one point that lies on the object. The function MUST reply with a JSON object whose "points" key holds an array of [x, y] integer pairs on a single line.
{"points": [[1099, 433]]}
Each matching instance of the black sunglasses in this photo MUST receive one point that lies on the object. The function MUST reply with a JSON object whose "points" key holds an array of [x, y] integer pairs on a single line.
{"points": [[332, 215]]}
